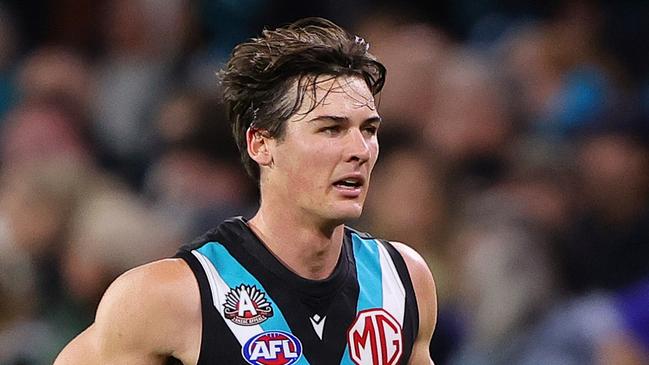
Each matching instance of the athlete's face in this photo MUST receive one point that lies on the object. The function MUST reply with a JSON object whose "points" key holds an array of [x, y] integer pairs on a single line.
{"points": [[323, 163]]}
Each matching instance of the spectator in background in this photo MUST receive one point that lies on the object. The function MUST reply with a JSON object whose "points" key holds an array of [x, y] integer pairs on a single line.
{"points": [[7, 62], [45, 160], [42, 130], [72, 232], [630, 345], [607, 248], [196, 177], [24, 338], [565, 81], [410, 88], [57, 73], [469, 121], [54, 112], [143, 39], [505, 281], [420, 186], [36, 202], [111, 231]]}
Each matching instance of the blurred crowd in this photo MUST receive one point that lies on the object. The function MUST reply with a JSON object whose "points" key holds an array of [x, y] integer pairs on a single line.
{"points": [[514, 158]]}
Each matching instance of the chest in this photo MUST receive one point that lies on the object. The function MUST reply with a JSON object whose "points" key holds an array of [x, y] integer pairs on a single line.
{"points": [[253, 316]]}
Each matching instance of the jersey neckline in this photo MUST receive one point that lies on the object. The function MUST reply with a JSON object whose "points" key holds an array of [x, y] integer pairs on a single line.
{"points": [[314, 288]]}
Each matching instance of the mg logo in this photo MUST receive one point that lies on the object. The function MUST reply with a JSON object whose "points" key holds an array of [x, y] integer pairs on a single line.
{"points": [[375, 338]]}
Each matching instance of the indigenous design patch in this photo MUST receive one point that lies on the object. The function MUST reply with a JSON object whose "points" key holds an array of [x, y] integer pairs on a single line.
{"points": [[272, 348], [246, 305]]}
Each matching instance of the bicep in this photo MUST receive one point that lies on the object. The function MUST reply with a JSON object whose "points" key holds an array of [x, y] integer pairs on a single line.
{"points": [[112, 339], [420, 354], [82, 350], [133, 324], [427, 303], [97, 345]]}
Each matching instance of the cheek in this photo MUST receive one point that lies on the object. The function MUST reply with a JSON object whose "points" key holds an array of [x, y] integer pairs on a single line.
{"points": [[304, 165], [374, 154]]}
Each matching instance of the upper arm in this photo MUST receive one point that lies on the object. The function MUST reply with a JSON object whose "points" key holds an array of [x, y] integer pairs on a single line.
{"points": [[424, 286], [146, 315]]}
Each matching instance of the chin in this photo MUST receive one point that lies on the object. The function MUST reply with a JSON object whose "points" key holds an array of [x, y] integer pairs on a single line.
{"points": [[347, 212]]}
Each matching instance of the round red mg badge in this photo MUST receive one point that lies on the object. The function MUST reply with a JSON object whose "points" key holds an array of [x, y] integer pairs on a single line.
{"points": [[375, 338]]}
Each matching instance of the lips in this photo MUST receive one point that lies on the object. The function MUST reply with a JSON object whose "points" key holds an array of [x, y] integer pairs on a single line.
{"points": [[351, 181], [350, 185]]}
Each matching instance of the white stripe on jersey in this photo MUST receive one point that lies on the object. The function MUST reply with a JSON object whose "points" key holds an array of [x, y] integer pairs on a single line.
{"points": [[219, 290], [394, 294]]}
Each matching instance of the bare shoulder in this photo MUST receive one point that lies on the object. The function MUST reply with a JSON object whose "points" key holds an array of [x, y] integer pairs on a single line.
{"points": [[154, 303], [147, 314], [156, 283], [424, 286], [420, 274], [161, 287]]}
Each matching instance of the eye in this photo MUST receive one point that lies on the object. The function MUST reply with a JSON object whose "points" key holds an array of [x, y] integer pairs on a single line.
{"points": [[370, 130], [331, 130]]}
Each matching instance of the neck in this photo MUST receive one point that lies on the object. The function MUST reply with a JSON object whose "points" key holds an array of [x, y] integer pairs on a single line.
{"points": [[309, 249]]}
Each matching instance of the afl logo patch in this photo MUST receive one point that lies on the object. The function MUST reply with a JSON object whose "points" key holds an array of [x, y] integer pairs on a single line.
{"points": [[272, 348], [246, 305], [375, 338]]}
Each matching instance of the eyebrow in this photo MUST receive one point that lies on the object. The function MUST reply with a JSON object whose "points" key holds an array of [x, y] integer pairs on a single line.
{"points": [[339, 119]]}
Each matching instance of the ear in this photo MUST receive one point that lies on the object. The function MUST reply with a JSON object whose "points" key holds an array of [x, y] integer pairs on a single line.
{"points": [[258, 146]]}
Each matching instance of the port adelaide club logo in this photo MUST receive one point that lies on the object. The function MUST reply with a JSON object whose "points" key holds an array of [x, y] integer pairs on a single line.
{"points": [[375, 338], [246, 305], [272, 348]]}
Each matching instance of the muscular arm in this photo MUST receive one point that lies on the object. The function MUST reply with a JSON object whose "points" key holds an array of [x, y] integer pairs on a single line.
{"points": [[147, 315], [424, 285]]}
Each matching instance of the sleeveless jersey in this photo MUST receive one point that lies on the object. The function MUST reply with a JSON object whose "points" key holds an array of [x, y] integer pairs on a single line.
{"points": [[257, 311]]}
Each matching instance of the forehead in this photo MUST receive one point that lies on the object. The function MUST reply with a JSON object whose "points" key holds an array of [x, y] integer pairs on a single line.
{"points": [[336, 95]]}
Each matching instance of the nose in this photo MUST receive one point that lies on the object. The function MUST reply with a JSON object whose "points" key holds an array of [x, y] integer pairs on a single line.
{"points": [[358, 146]]}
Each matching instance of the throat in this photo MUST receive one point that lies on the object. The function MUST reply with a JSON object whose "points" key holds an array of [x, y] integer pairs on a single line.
{"points": [[308, 254], [320, 265]]}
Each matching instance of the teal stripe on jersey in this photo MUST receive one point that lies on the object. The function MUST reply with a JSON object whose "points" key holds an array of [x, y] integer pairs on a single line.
{"points": [[234, 274], [368, 272]]}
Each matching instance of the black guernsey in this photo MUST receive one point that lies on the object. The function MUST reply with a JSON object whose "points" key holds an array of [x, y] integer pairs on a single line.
{"points": [[257, 311]]}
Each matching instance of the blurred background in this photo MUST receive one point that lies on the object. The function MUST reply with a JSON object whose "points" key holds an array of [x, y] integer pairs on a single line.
{"points": [[519, 132]]}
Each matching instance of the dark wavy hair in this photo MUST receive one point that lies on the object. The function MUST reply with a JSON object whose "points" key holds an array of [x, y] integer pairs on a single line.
{"points": [[260, 77]]}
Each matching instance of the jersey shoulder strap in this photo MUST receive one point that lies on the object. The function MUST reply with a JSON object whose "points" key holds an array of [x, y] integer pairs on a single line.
{"points": [[385, 286]]}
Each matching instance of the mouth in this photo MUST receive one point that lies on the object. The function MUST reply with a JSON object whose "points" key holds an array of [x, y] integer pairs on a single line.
{"points": [[350, 186]]}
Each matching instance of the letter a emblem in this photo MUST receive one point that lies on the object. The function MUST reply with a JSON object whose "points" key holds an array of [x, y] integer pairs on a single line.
{"points": [[245, 304]]}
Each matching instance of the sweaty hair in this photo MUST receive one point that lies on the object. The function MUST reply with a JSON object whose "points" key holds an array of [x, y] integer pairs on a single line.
{"points": [[259, 81]]}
